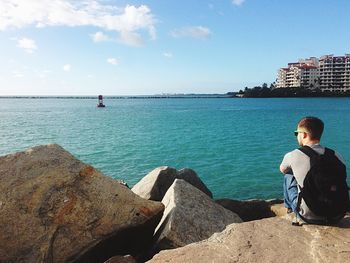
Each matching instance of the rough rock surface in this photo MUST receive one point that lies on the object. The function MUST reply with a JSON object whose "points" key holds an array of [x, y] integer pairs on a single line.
{"points": [[55, 208], [190, 216], [267, 240], [155, 184], [121, 259], [250, 209], [279, 209]]}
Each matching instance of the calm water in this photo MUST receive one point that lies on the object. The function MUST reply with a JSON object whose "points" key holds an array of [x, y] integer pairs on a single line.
{"points": [[235, 145]]}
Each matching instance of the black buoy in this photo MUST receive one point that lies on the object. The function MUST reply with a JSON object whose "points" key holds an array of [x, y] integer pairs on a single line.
{"points": [[100, 102]]}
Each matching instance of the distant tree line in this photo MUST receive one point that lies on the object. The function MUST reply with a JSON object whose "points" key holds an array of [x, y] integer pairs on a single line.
{"points": [[265, 91]]}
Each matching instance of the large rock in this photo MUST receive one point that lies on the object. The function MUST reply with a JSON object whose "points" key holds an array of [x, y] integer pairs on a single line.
{"points": [[190, 216], [279, 209], [54, 208], [249, 210], [155, 184], [267, 240], [121, 259]]}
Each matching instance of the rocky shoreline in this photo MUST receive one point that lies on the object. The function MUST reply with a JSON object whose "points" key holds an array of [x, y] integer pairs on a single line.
{"points": [[54, 208]]}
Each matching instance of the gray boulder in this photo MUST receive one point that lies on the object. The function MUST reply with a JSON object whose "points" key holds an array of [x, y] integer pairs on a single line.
{"points": [[249, 210], [155, 184], [267, 240], [189, 216], [55, 208]]}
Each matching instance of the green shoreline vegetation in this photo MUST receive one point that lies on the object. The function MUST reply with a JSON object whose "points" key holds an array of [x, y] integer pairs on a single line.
{"points": [[264, 91]]}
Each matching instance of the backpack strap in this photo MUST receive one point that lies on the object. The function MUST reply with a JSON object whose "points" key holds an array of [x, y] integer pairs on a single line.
{"points": [[328, 151], [308, 151], [311, 154]]}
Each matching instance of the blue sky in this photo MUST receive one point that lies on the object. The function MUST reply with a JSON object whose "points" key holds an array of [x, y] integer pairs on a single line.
{"points": [[111, 47]]}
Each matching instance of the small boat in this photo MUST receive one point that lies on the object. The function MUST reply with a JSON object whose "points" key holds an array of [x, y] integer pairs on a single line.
{"points": [[100, 102]]}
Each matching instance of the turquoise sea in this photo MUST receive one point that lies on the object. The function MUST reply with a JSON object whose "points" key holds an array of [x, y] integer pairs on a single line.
{"points": [[235, 145]]}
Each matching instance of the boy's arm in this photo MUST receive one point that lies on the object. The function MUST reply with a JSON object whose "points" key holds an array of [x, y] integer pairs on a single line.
{"points": [[285, 169], [285, 166]]}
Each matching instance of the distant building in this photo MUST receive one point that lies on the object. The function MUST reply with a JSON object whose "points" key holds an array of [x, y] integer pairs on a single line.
{"points": [[335, 73], [299, 74], [282, 78], [328, 73]]}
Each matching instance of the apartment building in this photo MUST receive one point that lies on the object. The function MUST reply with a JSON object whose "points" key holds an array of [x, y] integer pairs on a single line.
{"points": [[281, 80], [300, 74], [293, 75], [329, 73], [309, 76], [334, 73]]}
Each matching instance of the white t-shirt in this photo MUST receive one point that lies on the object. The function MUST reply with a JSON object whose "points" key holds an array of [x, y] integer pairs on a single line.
{"points": [[299, 163]]}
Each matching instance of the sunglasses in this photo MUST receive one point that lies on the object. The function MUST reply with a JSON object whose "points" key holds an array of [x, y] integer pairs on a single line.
{"points": [[296, 132]]}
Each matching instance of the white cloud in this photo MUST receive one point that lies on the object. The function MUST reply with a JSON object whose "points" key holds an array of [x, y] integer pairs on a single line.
{"points": [[27, 44], [67, 67], [17, 74], [238, 2], [128, 21], [42, 74], [113, 61], [168, 54], [131, 39], [193, 32], [100, 37]]}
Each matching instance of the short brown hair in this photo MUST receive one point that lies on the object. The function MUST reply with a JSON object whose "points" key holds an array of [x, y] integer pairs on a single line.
{"points": [[313, 125]]}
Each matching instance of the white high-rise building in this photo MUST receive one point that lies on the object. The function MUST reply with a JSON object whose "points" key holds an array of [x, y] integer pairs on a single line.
{"points": [[329, 73], [300, 74], [309, 76], [282, 78], [335, 73]]}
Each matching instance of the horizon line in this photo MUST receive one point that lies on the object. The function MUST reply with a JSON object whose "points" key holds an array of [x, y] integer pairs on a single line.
{"points": [[121, 96]]}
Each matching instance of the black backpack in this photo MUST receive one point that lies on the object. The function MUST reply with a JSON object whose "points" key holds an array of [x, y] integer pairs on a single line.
{"points": [[325, 190]]}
